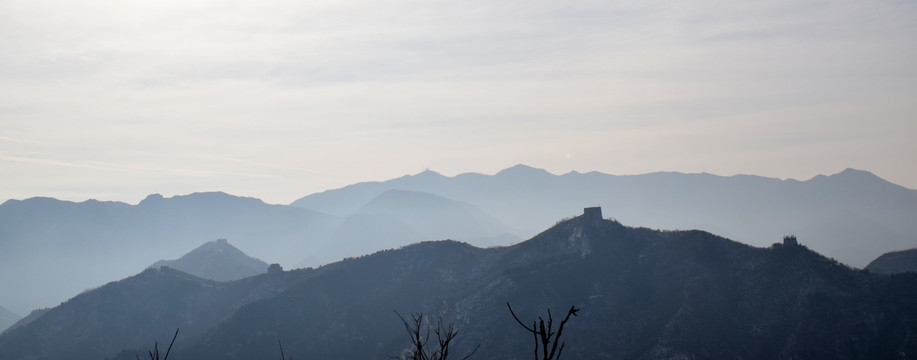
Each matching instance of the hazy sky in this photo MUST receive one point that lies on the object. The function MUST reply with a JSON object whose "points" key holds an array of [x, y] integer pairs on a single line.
{"points": [[114, 100]]}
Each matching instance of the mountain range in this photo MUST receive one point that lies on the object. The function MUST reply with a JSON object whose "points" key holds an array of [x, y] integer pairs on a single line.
{"points": [[853, 216], [55, 249], [51, 250], [642, 294]]}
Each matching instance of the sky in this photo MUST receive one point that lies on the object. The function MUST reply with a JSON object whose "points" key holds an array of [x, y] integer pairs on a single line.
{"points": [[114, 100]]}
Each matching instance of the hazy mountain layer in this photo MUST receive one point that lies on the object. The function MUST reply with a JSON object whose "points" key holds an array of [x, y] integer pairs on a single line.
{"points": [[396, 218], [32, 316], [51, 250], [436, 217], [643, 294], [853, 216], [216, 260], [7, 318], [895, 262]]}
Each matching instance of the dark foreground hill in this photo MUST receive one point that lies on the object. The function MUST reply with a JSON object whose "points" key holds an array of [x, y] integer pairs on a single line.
{"points": [[895, 262], [643, 294], [131, 313]]}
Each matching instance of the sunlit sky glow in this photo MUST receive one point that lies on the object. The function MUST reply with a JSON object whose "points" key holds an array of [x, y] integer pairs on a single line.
{"points": [[115, 100]]}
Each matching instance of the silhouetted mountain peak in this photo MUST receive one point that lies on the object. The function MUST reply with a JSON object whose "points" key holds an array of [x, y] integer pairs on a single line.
{"points": [[216, 260], [851, 174], [577, 236], [860, 180], [211, 198], [215, 196], [895, 262], [411, 216], [523, 170], [404, 198], [855, 172], [427, 173], [848, 174], [151, 198]]}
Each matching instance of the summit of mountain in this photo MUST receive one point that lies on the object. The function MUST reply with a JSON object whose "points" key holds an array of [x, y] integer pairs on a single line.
{"points": [[216, 260], [895, 262], [397, 218], [523, 171], [436, 217]]}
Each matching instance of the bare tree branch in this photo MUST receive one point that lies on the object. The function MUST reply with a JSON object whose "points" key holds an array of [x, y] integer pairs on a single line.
{"points": [[171, 343], [519, 321], [420, 338], [545, 335]]}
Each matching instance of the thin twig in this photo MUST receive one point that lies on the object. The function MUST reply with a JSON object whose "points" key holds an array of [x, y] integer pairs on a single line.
{"points": [[170, 345]]}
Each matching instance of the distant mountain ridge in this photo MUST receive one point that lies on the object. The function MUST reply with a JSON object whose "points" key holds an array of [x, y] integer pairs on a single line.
{"points": [[396, 218], [35, 314], [216, 260], [895, 262], [853, 215], [61, 248], [94, 242], [643, 294]]}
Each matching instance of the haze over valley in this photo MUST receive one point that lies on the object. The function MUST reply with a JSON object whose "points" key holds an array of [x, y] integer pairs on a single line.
{"points": [[339, 179], [94, 242]]}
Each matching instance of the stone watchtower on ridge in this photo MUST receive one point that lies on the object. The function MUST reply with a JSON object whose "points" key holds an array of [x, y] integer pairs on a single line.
{"points": [[592, 213]]}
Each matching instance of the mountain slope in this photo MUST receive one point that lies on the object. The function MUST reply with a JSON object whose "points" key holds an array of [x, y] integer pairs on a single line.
{"points": [[35, 314], [895, 262], [644, 294], [436, 217], [396, 218], [7, 318], [853, 216], [216, 260], [57, 249], [131, 313]]}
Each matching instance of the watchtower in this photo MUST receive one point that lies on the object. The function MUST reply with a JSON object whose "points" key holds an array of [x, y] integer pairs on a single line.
{"points": [[592, 213], [274, 268]]}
